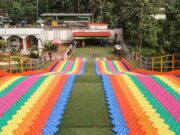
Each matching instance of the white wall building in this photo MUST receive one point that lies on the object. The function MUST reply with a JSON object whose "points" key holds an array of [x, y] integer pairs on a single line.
{"points": [[20, 38], [97, 26], [159, 16]]}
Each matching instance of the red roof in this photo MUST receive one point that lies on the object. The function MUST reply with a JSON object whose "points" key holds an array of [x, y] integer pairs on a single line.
{"points": [[97, 24], [91, 34]]}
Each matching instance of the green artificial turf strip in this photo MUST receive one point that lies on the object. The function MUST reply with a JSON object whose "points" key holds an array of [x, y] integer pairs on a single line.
{"points": [[88, 79], [98, 51], [86, 112], [89, 76], [85, 131], [86, 107], [90, 69]]}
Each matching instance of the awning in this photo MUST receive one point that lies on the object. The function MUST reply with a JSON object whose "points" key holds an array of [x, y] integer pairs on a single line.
{"points": [[91, 34], [97, 24], [66, 14]]}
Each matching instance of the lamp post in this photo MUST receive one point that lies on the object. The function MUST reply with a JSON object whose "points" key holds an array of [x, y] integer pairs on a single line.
{"points": [[37, 8], [78, 5]]}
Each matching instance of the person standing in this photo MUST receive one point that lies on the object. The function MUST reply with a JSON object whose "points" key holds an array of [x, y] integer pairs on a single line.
{"points": [[50, 55], [106, 41], [75, 43], [91, 52], [71, 44], [117, 49], [101, 42], [83, 43]]}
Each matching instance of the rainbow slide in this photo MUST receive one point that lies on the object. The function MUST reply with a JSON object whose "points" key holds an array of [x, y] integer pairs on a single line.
{"points": [[76, 66], [28, 104], [139, 103], [105, 66], [31, 105]]}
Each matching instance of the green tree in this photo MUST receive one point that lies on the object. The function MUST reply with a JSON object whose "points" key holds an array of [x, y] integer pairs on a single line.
{"points": [[27, 9], [4, 4], [167, 30], [43, 6], [3, 45], [97, 5], [108, 15], [62, 6], [16, 11], [135, 18], [171, 30]]}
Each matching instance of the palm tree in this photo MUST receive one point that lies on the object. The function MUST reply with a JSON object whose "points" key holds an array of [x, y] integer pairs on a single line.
{"points": [[3, 45]]}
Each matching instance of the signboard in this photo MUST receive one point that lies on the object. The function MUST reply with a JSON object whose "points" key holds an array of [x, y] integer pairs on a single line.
{"points": [[54, 23]]}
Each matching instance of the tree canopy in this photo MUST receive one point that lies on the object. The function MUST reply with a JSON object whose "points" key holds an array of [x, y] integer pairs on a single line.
{"points": [[134, 16]]}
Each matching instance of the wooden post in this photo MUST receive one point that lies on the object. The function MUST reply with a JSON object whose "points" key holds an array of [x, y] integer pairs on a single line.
{"points": [[161, 63], [21, 64], [152, 64], [10, 63], [30, 64], [145, 63], [38, 65], [43, 63], [132, 55], [173, 62]]}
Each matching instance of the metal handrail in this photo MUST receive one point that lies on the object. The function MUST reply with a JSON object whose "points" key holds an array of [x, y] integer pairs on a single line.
{"points": [[164, 62], [22, 63]]}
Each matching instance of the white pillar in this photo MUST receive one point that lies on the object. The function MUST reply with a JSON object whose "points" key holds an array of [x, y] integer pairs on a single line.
{"points": [[5, 38], [40, 47], [24, 50], [24, 44], [7, 47]]}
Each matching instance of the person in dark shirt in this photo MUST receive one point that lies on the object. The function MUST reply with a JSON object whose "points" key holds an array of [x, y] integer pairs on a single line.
{"points": [[50, 56]]}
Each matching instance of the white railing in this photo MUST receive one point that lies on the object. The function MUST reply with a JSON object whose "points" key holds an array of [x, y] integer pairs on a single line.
{"points": [[68, 53]]}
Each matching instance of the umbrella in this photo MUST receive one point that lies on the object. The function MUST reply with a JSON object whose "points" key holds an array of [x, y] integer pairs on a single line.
{"points": [[56, 42]]}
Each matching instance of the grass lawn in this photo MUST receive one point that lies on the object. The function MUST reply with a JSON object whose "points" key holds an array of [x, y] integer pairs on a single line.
{"points": [[134, 64], [98, 51], [148, 51], [86, 112]]}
